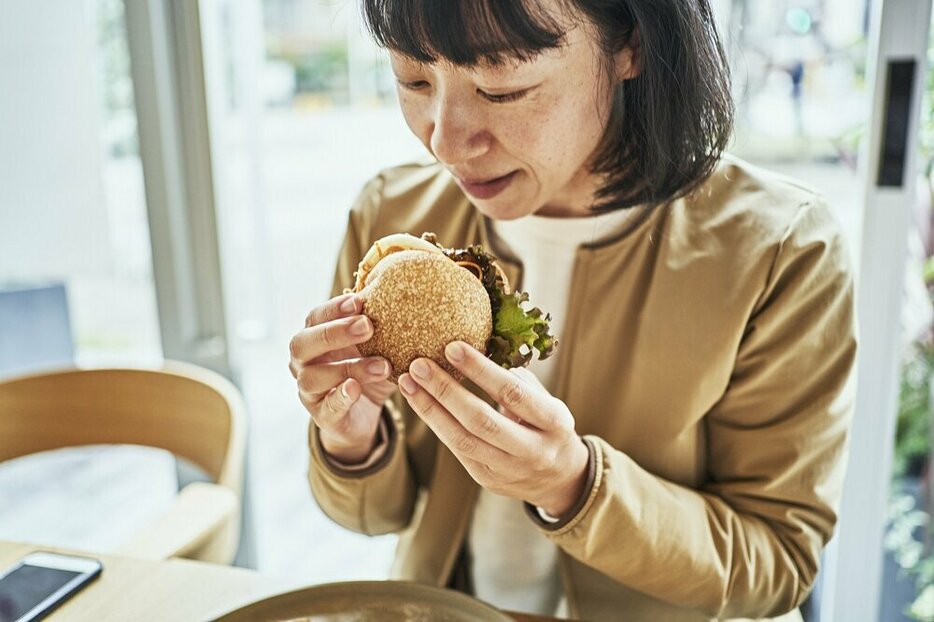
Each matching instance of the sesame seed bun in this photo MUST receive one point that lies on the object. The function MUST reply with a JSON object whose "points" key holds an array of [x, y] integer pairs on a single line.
{"points": [[419, 302]]}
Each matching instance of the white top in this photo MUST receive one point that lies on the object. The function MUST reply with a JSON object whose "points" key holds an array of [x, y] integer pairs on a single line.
{"points": [[514, 565]]}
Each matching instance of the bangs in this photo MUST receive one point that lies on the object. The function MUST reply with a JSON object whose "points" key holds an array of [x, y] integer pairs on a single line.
{"points": [[466, 33]]}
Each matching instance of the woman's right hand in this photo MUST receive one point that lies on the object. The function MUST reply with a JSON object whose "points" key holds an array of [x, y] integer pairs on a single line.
{"points": [[343, 392]]}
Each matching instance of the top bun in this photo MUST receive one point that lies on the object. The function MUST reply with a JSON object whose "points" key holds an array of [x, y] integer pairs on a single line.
{"points": [[419, 302]]}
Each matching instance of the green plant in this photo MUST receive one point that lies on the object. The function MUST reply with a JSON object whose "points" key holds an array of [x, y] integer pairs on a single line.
{"points": [[905, 520], [926, 129], [913, 427], [908, 527], [324, 70], [923, 606]]}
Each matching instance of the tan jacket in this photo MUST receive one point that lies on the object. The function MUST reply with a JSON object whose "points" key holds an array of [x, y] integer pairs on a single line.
{"points": [[708, 358]]}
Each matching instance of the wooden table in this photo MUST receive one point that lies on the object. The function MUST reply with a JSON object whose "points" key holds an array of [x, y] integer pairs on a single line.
{"points": [[175, 589]]}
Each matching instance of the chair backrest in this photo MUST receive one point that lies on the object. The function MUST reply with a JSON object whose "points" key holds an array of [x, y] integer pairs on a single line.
{"points": [[189, 411]]}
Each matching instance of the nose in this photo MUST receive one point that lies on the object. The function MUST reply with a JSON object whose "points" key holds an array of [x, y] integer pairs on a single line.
{"points": [[457, 132]]}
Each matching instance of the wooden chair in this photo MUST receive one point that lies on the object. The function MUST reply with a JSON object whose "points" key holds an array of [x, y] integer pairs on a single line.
{"points": [[189, 411]]}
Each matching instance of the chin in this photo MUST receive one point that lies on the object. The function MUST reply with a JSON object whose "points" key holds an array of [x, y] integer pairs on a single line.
{"points": [[504, 209]]}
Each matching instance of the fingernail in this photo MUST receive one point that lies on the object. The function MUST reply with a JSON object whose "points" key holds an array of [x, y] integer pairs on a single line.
{"points": [[344, 390], [349, 305], [407, 384], [377, 368], [359, 326], [420, 369], [455, 352]]}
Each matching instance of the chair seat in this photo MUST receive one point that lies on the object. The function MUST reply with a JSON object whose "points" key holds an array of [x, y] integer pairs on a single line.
{"points": [[89, 498]]}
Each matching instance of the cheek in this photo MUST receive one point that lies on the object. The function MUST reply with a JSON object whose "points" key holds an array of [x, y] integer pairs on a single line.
{"points": [[416, 116], [581, 123], [558, 134]]}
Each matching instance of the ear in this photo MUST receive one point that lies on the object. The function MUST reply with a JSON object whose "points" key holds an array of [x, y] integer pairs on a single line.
{"points": [[628, 61]]}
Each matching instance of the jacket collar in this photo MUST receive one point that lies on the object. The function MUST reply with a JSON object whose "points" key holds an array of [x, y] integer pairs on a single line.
{"points": [[643, 223]]}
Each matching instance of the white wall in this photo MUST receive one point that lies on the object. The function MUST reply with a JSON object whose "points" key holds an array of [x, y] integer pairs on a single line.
{"points": [[53, 221]]}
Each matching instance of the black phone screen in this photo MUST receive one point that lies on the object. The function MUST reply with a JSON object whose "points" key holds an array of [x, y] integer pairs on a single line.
{"points": [[27, 586]]}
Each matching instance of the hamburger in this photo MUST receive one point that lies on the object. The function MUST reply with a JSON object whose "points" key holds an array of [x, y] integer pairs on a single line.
{"points": [[420, 296]]}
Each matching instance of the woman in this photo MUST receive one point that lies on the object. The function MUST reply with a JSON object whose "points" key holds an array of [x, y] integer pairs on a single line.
{"points": [[681, 457]]}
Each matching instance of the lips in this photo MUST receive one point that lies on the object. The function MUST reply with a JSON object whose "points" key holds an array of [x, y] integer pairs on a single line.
{"points": [[489, 187], [480, 180]]}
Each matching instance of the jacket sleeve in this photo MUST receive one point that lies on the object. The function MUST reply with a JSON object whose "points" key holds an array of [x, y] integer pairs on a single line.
{"points": [[748, 542], [381, 498]]}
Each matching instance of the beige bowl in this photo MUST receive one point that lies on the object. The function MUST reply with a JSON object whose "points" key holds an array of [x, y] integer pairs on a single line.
{"points": [[368, 601]]}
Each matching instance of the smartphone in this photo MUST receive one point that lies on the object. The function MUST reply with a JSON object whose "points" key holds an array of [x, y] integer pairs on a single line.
{"points": [[40, 582]]}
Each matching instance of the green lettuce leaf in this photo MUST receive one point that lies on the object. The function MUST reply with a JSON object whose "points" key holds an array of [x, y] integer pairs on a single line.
{"points": [[517, 332]]}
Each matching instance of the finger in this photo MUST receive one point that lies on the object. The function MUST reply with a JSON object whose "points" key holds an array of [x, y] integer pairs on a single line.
{"points": [[333, 309], [529, 377], [310, 343], [314, 380], [471, 412], [333, 408], [516, 395], [447, 428]]}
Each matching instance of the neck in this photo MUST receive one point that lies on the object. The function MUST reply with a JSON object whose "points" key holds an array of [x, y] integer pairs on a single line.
{"points": [[576, 200]]}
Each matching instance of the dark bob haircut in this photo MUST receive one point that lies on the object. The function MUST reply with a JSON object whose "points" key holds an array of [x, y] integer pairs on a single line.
{"points": [[667, 127]]}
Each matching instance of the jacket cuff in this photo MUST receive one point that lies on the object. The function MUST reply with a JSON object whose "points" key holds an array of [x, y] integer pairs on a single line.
{"points": [[577, 510], [377, 460]]}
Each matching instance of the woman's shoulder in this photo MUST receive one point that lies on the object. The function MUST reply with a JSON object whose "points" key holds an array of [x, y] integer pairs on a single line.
{"points": [[752, 205], [743, 224]]}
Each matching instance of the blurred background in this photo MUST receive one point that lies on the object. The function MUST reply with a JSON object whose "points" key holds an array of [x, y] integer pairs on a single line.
{"points": [[254, 123]]}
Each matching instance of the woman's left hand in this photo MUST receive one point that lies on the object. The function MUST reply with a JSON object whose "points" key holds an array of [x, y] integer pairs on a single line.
{"points": [[530, 451]]}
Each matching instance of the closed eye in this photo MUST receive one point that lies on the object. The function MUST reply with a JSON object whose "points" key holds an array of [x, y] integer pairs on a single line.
{"points": [[505, 97], [417, 85], [420, 85]]}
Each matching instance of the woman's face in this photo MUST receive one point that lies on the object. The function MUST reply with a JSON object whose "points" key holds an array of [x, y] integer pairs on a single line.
{"points": [[517, 137]]}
